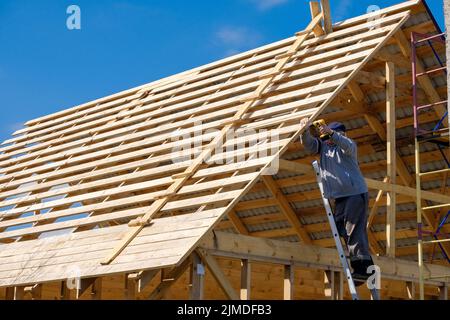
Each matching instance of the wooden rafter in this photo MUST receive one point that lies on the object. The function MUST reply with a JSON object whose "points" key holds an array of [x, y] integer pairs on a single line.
{"points": [[286, 208], [328, 25], [391, 202], [237, 223], [315, 11], [181, 179]]}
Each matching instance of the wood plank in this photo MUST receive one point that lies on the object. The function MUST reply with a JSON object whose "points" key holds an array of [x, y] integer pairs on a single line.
{"points": [[159, 204], [237, 223], [327, 24], [102, 153], [288, 284], [91, 240], [197, 278], [315, 11], [218, 274], [349, 30], [98, 174], [159, 121], [132, 188], [145, 254], [407, 191], [391, 159], [246, 277]]}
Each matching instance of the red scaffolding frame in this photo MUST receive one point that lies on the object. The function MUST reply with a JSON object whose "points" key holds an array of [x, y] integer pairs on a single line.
{"points": [[439, 136]]}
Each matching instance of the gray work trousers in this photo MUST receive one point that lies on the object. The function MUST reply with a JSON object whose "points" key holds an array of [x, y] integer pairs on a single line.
{"points": [[350, 215]]}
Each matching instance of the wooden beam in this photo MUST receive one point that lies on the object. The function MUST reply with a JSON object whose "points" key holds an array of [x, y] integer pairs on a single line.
{"points": [[288, 283], [130, 286], [295, 167], [96, 289], [237, 222], [315, 11], [19, 293], [391, 159], [309, 256], [373, 211], [85, 284], [9, 294], [245, 279], [286, 208], [217, 273], [144, 279], [140, 281], [171, 277], [327, 24], [407, 191], [443, 292], [376, 204], [197, 277], [64, 291], [334, 285], [364, 77]]}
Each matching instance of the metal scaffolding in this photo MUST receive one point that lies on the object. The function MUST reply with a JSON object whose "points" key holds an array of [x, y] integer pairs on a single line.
{"points": [[438, 135]]}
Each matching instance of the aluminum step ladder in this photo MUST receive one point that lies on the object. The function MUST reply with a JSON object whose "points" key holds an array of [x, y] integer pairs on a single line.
{"points": [[342, 256]]}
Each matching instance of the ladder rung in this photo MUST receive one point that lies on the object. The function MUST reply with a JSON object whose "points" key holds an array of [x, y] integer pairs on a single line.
{"points": [[436, 206], [438, 37], [427, 106], [431, 71], [423, 174], [436, 241], [437, 277]]}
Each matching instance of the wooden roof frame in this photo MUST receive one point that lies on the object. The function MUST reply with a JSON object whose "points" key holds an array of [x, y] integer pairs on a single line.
{"points": [[109, 160]]}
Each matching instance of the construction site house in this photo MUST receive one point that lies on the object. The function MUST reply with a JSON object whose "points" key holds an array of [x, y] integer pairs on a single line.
{"points": [[197, 186]]}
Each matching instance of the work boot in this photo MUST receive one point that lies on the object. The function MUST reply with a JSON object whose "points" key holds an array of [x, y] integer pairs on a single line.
{"points": [[360, 273]]}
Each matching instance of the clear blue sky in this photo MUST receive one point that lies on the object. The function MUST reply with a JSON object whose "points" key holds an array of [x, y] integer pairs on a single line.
{"points": [[44, 67]]}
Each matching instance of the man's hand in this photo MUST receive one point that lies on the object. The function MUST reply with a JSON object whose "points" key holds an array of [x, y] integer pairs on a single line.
{"points": [[325, 130], [305, 123]]}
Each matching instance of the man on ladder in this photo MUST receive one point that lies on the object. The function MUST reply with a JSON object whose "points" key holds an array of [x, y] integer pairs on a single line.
{"points": [[344, 184]]}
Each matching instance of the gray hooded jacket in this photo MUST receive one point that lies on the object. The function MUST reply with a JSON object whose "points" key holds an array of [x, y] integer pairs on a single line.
{"points": [[340, 172]]}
